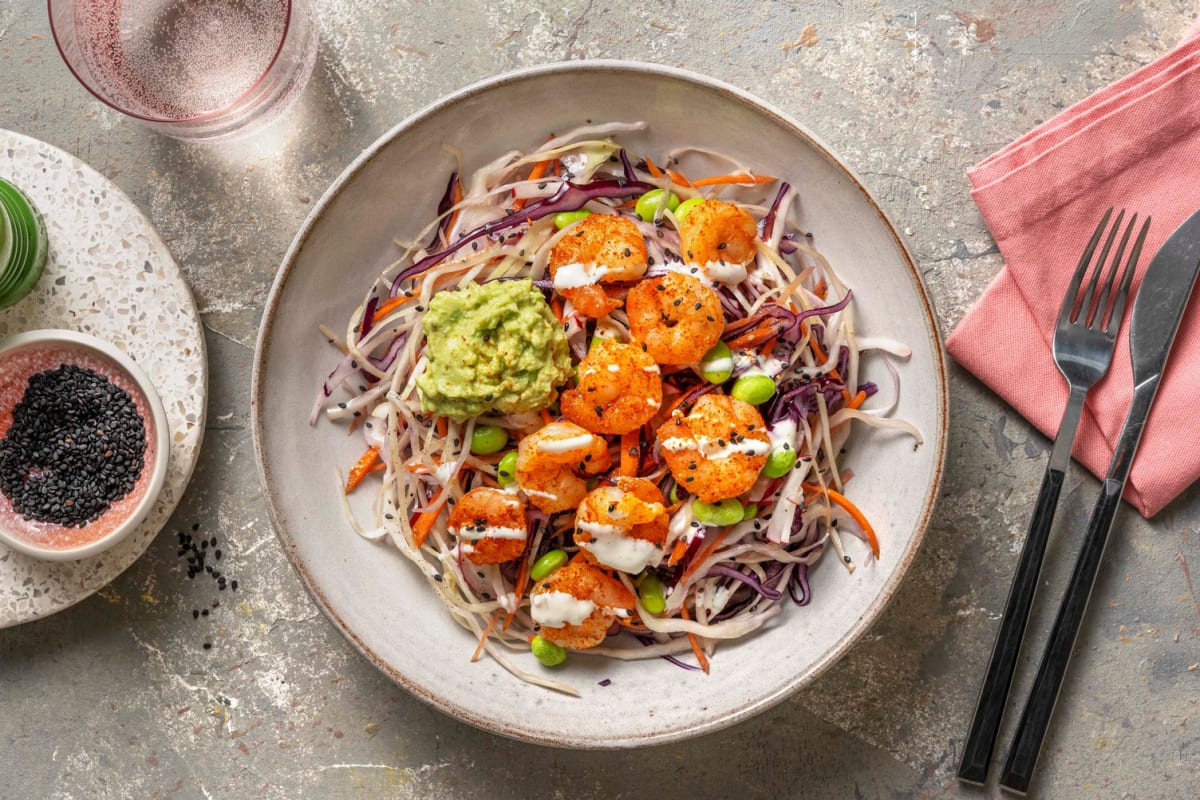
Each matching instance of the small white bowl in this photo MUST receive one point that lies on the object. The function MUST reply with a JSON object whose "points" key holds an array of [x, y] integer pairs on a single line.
{"points": [[154, 417]]}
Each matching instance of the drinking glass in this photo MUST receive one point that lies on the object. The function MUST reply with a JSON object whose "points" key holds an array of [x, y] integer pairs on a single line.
{"points": [[192, 69]]}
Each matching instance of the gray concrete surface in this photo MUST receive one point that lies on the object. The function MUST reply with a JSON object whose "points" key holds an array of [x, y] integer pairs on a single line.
{"points": [[116, 697]]}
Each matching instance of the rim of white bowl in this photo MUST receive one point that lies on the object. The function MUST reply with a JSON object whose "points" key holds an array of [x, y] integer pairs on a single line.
{"points": [[507, 727]]}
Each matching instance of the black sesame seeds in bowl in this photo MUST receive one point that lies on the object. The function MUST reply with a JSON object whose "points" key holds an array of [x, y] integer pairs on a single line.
{"points": [[83, 444]]}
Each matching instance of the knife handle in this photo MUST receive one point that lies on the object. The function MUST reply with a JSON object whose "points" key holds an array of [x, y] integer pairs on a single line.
{"points": [[1035, 719], [993, 696]]}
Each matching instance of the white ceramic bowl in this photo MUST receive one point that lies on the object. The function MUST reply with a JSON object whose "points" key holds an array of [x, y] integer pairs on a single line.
{"points": [[376, 598], [155, 420]]}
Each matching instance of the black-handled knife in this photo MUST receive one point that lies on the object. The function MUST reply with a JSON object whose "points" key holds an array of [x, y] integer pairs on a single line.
{"points": [[1157, 312]]}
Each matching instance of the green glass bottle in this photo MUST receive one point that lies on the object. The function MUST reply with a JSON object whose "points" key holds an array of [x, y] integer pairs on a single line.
{"points": [[23, 244]]}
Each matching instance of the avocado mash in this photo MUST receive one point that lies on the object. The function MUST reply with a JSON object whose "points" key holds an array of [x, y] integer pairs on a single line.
{"points": [[491, 346]]}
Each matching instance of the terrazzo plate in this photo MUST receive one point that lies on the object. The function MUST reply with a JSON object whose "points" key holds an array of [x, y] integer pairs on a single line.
{"points": [[376, 597], [108, 275]]}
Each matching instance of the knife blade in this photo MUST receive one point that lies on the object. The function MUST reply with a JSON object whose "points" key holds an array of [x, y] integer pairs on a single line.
{"points": [[1158, 311]]}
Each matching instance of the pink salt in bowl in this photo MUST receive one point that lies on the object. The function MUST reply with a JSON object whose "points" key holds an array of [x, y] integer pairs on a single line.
{"points": [[28, 354]]}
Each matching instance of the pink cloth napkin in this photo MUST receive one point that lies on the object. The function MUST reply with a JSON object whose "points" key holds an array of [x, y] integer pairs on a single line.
{"points": [[1133, 145]]}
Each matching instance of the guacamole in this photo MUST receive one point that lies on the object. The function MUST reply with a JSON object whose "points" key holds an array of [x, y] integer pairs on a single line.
{"points": [[491, 346]]}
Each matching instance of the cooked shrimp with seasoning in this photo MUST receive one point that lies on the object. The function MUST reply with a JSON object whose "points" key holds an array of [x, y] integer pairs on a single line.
{"points": [[623, 526], [552, 462], [489, 525], [600, 250], [676, 317], [619, 389], [719, 238], [600, 417], [717, 449], [577, 604]]}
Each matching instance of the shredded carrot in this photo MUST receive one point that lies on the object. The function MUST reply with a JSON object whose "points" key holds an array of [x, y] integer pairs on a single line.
{"points": [[704, 553], [745, 180], [418, 468], [858, 399], [442, 425], [361, 467], [522, 581], [486, 633], [821, 289], [769, 348], [678, 552], [389, 306], [546, 418], [458, 196], [679, 178], [539, 169], [425, 520], [630, 452], [652, 169], [683, 612], [556, 305], [852, 510]]}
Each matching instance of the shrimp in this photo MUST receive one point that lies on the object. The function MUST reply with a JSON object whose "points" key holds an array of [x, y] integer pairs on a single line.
{"points": [[576, 605], [600, 249], [623, 526], [718, 449], [720, 238], [489, 525], [620, 389], [550, 460], [676, 317]]}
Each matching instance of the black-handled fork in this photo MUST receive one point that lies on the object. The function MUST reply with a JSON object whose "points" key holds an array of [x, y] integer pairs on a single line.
{"points": [[1084, 339]]}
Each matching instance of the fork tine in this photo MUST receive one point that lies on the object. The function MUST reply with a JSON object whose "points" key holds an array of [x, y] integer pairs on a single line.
{"points": [[1068, 306], [1086, 311], [1100, 318], [1122, 295]]}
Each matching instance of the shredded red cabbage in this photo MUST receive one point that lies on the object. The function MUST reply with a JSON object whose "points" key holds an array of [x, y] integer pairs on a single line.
{"points": [[568, 197]]}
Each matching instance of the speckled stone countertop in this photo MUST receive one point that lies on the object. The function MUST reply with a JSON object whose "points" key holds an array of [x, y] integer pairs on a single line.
{"points": [[118, 697]]}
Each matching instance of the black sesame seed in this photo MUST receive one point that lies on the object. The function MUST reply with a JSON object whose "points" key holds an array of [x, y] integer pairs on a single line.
{"points": [[208, 645], [204, 612], [678, 302], [195, 613], [722, 246], [76, 445]]}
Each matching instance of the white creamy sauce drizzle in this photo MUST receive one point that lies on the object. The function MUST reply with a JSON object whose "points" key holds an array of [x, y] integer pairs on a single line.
{"points": [[613, 549], [614, 368], [556, 609], [472, 533], [565, 445], [712, 450], [781, 433], [711, 273], [575, 276]]}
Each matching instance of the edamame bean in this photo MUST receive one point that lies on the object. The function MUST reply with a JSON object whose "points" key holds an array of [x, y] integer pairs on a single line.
{"points": [[488, 439], [650, 592], [750, 513], [506, 470], [550, 561], [673, 496], [550, 654], [754, 389], [647, 204], [717, 364], [686, 206], [564, 218], [726, 512], [779, 462]]}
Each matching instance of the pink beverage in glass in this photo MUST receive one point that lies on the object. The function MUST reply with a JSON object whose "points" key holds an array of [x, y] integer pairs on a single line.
{"points": [[193, 69]]}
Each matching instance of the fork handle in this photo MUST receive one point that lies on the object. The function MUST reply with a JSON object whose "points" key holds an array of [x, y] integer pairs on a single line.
{"points": [[993, 696], [1031, 731]]}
